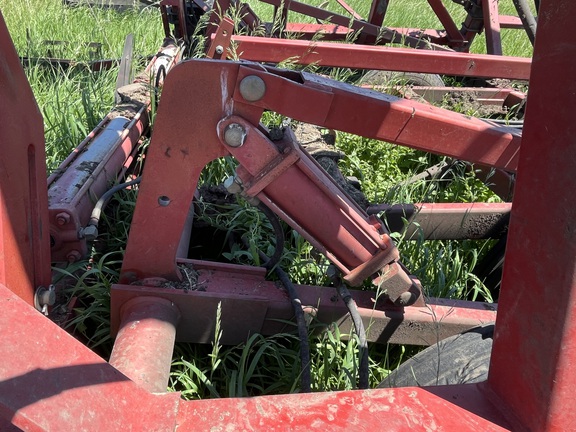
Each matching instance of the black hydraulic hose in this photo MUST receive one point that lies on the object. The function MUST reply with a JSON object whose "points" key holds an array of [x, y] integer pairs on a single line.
{"points": [[278, 232], [103, 201], [305, 378], [363, 369], [271, 263], [527, 18]]}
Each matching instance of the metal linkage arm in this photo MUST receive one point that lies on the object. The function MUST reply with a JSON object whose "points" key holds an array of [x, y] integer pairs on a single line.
{"points": [[344, 107]]}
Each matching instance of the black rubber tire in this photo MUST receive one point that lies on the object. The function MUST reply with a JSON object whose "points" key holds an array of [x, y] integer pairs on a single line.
{"points": [[460, 359], [384, 78]]}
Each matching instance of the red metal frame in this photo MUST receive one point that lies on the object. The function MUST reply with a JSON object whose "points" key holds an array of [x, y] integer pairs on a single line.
{"points": [[437, 55], [539, 272], [48, 379], [482, 15], [384, 58], [24, 240]]}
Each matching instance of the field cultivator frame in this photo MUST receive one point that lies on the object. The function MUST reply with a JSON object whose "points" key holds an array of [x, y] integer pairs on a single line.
{"points": [[481, 16], [49, 380]]}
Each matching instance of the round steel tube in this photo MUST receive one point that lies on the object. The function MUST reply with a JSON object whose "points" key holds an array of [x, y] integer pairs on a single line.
{"points": [[145, 342]]}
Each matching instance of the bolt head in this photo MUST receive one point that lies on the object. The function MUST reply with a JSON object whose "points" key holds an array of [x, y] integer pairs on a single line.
{"points": [[252, 88], [219, 50], [62, 218], [234, 135], [73, 256]]}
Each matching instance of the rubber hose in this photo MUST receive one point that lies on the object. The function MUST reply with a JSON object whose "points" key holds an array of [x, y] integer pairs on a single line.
{"points": [[278, 232], [305, 378], [363, 370], [103, 201]]}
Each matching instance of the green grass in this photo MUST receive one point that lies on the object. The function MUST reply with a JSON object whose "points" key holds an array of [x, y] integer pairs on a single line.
{"points": [[73, 102]]}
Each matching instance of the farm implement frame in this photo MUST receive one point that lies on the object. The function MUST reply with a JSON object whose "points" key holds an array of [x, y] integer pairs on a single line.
{"points": [[212, 108]]}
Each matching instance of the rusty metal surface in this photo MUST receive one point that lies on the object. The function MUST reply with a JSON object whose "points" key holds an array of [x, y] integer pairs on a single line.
{"points": [[537, 325], [436, 221], [24, 240], [97, 164]]}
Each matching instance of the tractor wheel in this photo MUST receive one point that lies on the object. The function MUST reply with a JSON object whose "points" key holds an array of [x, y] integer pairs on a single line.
{"points": [[390, 78], [459, 359]]}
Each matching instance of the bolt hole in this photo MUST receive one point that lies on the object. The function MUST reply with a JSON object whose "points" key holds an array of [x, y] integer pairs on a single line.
{"points": [[163, 200]]}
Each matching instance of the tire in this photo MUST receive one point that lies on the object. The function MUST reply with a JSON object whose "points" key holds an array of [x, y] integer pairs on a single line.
{"points": [[386, 78], [460, 359]]}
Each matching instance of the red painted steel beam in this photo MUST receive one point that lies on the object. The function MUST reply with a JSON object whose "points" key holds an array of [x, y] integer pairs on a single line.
{"points": [[344, 107], [330, 17], [251, 304], [534, 349], [349, 9], [447, 408], [24, 233], [367, 31], [454, 35], [384, 58], [327, 32], [492, 27], [377, 13], [510, 22]]}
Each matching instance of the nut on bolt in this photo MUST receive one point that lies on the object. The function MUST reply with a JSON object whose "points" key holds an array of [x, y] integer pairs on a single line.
{"points": [[233, 185], [219, 50], [62, 218], [44, 297], [90, 232], [234, 135]]}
